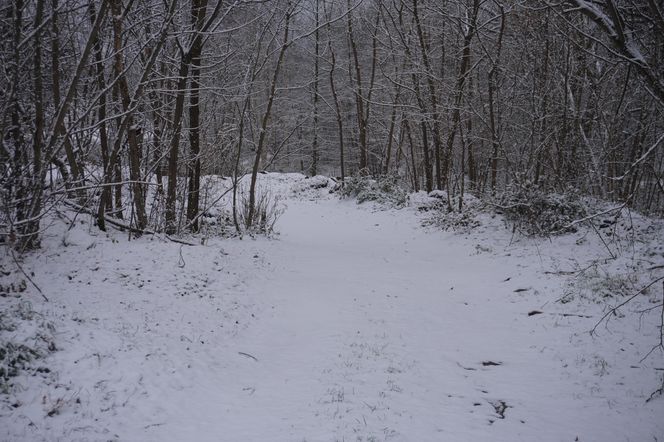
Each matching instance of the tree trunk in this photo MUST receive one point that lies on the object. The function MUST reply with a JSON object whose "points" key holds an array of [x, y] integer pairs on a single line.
{"points": [[461, 79], [492, 83], [198, 12], [29, 232], [359, 95], [337, 108], [440, 173], [266, 117], [55, 78], [314, 144], [132, 130]]}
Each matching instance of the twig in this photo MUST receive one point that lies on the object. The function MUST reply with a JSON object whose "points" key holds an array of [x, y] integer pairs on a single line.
{"points": [[614, 309], [121, 225], [511, 206], [247, 355], [590, 217], [26, 275], [658, 392], [599, 235], [180, 241], [660, 344], [567, 315], [181, 262], [111, 221], [202, 212], [640, 160]]}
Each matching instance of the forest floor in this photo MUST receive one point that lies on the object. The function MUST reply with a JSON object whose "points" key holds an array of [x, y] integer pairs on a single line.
{"points": [[354, 323]]}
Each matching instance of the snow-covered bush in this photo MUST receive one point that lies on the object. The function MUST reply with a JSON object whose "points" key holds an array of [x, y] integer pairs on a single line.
{"points": [[267, 210], [25, 338], [314, 186], [217, 222], [439, 213], [533, 210], [384, 190]]}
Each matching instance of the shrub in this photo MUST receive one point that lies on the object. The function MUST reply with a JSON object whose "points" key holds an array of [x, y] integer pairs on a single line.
{"points": [[435, 204], [535, 211], [314, 187], [25, 338], [384, 190], [267, 210]]}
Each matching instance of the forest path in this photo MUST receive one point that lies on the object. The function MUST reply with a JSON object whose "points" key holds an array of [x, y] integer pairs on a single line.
{"points": [[352, 325], [374, 329]]}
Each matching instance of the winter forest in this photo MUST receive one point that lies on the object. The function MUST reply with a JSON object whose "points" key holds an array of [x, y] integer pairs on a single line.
{"points": [[327, 220]]}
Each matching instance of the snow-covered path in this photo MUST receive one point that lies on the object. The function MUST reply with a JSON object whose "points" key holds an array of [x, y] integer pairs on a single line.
{"points": [[377, 330], [353, 325]]}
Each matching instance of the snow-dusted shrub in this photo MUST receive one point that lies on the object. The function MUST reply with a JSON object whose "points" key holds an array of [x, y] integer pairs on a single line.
{"points": [[216, 222], [25, 338], [441, 215], [596, 284], [267, 210], [533, 210], [314, 186], [384, 190]]}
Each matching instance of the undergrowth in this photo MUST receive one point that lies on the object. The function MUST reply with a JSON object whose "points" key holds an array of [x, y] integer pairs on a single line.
{"points": [[25, 339], [536, 211], [385, 190]]}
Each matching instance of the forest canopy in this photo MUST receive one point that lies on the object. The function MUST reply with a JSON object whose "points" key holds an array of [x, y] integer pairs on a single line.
{"points": [[119, 107]]}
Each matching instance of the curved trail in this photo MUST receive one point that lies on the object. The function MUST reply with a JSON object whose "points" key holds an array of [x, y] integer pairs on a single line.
{"points": [[376, 330], [352, 325]]}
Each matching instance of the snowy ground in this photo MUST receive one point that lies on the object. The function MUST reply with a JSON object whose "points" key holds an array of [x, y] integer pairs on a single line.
{"points": [[353, 324]]}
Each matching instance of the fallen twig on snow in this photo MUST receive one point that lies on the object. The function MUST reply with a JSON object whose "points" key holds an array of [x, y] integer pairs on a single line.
{"points": [[658, 392], [247, 355], [121, 225], [538, 312]]}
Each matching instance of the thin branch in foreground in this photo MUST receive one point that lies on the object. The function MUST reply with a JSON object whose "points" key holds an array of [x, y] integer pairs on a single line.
{"points": [[660, 344], [622, 304], [26, 275]]}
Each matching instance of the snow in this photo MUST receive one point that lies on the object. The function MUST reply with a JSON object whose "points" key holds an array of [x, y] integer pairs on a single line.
{"points": [[352, 324]]}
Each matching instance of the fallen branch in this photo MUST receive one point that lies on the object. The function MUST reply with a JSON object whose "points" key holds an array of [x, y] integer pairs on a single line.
{"points": [[247, 355], [120, 225], [111, 221], [566, 315], [658, 392], [180, 241]]}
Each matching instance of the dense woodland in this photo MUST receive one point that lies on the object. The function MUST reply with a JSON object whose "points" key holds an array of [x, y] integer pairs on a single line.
{"points": [[119, 107]]}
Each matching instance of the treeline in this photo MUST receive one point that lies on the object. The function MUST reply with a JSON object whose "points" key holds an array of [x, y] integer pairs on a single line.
{"points": [[118, 107]]}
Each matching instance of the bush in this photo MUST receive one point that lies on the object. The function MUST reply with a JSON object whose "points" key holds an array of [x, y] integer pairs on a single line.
{"points": [[314, 187], [216, 222], [384, 190], [534, 211], [25, 338], [267, 210], [435, 204]]}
